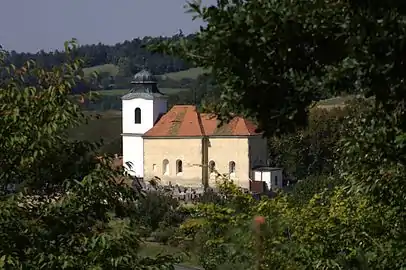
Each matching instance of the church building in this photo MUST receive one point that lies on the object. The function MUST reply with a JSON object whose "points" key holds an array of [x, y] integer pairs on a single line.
{"points": [[182, 146]]}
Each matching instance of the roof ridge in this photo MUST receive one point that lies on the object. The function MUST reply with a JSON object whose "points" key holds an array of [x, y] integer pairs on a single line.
{"points": [[200, 122], [187, 121]]}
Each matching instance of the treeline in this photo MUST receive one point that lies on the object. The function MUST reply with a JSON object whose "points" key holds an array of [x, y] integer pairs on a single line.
{"points": [[129, 56], [121, 61]]}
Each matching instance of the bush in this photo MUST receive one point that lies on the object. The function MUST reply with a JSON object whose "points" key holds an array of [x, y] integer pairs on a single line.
{"points": [[304, 190], [163, 234], [335, 230], [153, 208], [310, 151]]}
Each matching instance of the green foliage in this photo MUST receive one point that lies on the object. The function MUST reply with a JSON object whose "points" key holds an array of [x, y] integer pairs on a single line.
{"points": [[103, 127], [312, 150], [272, 60], [154, 208], [236, 47], [122, 59], [373, 154], [333, 230], [164, 234], [67, 210], [304, 190]]}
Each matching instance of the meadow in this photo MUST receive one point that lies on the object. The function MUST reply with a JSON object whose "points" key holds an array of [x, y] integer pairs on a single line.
{"points": [[111, 69], [191, 73]]}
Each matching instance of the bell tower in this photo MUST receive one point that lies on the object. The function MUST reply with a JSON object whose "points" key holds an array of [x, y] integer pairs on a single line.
{"points": [[141, 107]]}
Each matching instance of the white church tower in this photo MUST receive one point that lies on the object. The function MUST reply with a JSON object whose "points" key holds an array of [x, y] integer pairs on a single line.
{"points": [[142, 107]]}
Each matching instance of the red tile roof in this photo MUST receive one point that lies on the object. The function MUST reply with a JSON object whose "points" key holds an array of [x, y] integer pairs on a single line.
{"points": [[185, 121]]}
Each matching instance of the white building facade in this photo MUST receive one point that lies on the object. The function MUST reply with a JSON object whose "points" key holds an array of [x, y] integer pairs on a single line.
{"points": [[141, 108], [273, 177]]}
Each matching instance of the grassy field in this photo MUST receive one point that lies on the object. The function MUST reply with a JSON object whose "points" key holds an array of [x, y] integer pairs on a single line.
{"points": [[191, 73], [107, 128], [108, 68], [96, 128]]}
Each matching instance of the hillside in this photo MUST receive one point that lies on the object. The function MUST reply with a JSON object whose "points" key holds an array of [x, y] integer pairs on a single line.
{"points": [[107, 128], [191, 73], [110, 69], [129, 55]]}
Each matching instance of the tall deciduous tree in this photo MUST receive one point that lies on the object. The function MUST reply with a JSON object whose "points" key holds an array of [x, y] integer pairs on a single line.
{"points": [[66, 210], [274, 58]]}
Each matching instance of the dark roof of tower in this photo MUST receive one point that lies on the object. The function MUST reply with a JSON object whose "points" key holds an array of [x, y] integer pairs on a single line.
{"points": [[144, 77], [145, 86], [144, 95]]}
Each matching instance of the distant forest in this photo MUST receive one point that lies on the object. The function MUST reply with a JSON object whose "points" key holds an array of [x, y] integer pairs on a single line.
{"points": [[116, 64], [128, 56]]}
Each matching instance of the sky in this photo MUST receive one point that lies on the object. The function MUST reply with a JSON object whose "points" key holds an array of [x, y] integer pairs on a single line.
{"points": [[33, 25]]}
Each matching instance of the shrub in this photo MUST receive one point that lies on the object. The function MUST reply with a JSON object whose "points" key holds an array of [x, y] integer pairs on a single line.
{"points": [[153, 208], [304, 190], [311, 151], [163, 234], [335, 230]]}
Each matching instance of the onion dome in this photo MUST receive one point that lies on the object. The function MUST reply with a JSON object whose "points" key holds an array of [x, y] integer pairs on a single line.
{"points": [[144, 77]]}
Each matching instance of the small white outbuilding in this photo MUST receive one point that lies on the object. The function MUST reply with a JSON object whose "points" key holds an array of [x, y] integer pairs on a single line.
{"points": [[273, 177]]}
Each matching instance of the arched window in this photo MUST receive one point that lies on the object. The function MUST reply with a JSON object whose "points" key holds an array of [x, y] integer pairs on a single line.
{"points": [[231, 168], [179, 166], [165, 167], [154, 168], [212, 166], [137, 116]]}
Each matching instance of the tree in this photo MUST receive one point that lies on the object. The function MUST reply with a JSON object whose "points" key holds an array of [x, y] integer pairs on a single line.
{"points": [[67, 209], [272, 59], [311, 150], [273, 74]]}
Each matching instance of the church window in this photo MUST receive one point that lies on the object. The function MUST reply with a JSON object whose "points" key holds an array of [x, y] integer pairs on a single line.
{"points": [[165, 167], [137, 116], [212, 166], [231, 168], [179, 166]]}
